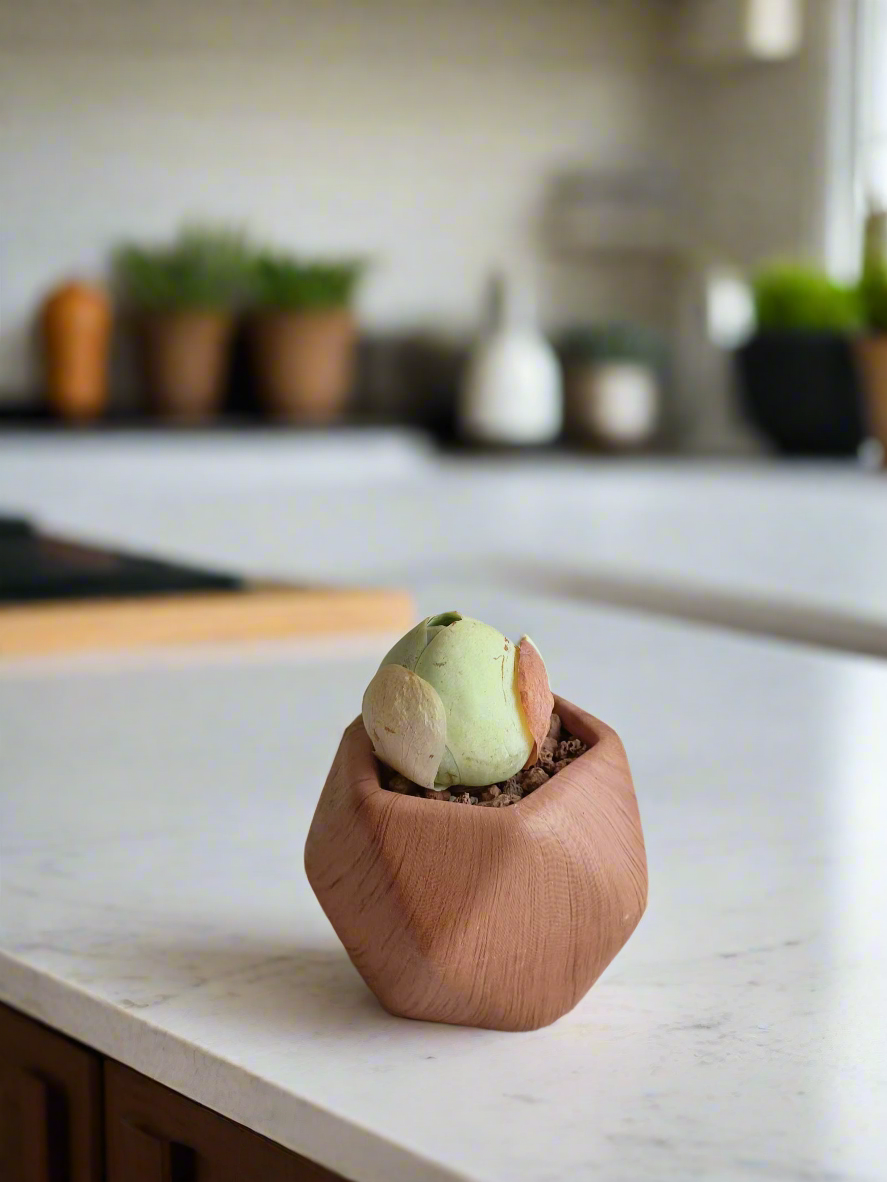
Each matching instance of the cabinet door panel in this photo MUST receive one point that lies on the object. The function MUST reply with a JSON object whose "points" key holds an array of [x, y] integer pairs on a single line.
{"points": [[157, 1135], [50, 1105]]}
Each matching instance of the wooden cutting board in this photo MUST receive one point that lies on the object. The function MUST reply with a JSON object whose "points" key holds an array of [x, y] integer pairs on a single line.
{"points": [[258, 611]]}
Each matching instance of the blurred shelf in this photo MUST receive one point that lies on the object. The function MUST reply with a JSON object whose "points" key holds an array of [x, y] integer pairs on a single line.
{"points": [[35, 417]]}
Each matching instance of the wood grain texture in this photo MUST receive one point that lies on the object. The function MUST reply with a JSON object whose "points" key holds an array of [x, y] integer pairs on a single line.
{"points": [[501, 918], [261, 612], [50, 1105]]}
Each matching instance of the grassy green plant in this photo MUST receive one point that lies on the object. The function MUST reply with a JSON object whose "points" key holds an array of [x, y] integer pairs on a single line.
{"points": [[287, 283], [793, 297], [204, 268]]}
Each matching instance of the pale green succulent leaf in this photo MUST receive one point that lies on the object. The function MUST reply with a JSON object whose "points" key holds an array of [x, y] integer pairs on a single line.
{"points": [[405, 720], [473, 669]]}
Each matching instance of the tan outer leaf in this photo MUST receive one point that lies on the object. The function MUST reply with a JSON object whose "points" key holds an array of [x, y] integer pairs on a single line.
{"points": [[536, 697], [406, 722]]}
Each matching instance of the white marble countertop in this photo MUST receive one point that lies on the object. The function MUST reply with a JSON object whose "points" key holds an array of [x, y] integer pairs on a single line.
{"points": [[153, 904], [794, 550]]}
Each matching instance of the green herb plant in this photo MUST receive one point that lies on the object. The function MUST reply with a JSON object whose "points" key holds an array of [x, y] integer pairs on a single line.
{"points": [[286, 283], [790, 297], [205, 268], [873, 282]]}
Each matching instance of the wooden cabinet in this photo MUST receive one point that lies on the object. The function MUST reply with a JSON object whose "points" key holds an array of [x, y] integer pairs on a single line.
{"points": [[67, 1115], [156, 1135], [50, 1105]]}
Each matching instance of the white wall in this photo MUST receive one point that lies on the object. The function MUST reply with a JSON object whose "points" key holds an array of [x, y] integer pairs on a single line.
{"points": [[872, 127], [761, 150], [420, 132]]}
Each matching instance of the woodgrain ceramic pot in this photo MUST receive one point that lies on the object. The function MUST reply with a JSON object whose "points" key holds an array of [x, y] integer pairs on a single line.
{"points": [[305, 362], [76, 330], [184, 356], [501, 918]]}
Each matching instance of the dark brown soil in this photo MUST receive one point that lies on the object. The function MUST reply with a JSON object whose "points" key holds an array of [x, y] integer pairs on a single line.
{"points": [[558, 751]]}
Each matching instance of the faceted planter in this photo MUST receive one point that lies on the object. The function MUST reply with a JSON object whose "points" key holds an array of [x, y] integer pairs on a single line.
{"points": [[494, 917]]}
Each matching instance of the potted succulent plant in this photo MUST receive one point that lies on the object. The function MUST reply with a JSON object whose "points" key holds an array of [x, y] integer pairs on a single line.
{"points": [[797, 373], [183, 298], [477, 845], [303, 334], [614, 377]]}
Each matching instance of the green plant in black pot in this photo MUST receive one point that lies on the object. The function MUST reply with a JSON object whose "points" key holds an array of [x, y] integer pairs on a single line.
{"points": [[304, 334], [183, 297], [798, 374]]}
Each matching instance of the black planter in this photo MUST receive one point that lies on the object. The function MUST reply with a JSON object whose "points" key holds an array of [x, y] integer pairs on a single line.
{"points": [[802, 390]]}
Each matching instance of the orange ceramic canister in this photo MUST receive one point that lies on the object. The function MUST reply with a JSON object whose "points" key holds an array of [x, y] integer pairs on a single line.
{"points": [[76, 323]]}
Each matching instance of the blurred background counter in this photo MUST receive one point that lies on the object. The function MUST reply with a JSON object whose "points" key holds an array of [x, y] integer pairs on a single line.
{"points": [[796, 550], [348, 293]]}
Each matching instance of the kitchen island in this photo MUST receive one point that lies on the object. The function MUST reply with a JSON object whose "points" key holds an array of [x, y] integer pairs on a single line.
{"points": [[154, 908]]}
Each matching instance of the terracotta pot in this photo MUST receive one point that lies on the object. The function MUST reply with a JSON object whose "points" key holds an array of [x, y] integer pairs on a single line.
{"points": [[872, 354], [501, 918], [76, 329], [305, 363], [184, 359]]}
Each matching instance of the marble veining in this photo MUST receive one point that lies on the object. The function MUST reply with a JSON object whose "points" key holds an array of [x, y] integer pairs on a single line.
{"points": [[153, 904]]}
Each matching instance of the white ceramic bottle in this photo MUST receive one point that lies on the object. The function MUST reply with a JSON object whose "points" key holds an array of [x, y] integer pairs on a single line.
{"points": [[512, 390]]}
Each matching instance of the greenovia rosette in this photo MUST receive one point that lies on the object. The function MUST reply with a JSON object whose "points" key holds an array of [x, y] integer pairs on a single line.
{"points": [[456, 702]]}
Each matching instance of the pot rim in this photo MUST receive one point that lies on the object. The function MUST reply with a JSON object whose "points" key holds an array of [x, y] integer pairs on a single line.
{"points": [[366, 781], [260, 313]]}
